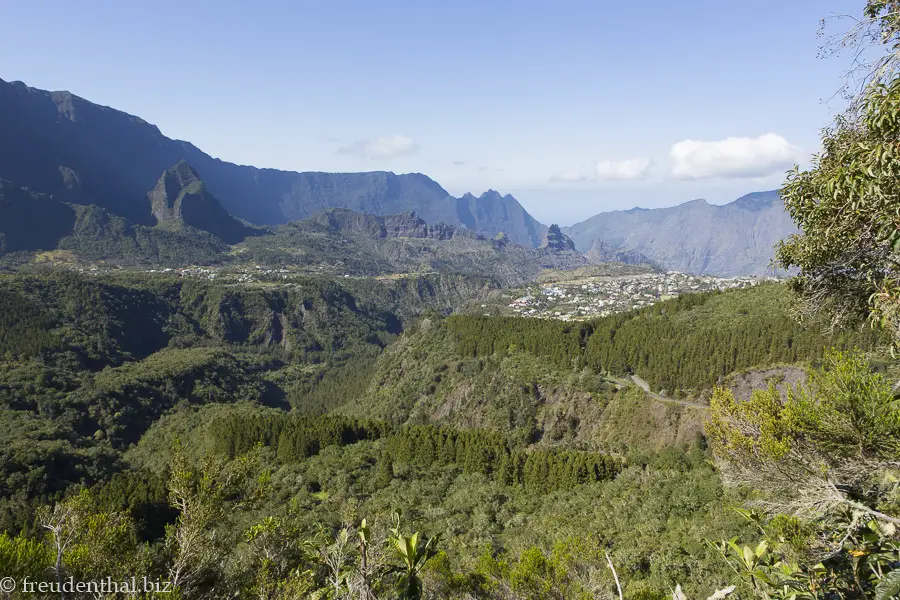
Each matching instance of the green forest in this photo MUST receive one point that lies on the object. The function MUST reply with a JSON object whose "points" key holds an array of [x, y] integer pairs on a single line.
{"points": [[290, 440], [684, 345], [382, 438]]}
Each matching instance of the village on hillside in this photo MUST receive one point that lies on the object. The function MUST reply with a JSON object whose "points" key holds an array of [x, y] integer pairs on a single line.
{"points": [[601, 296]]}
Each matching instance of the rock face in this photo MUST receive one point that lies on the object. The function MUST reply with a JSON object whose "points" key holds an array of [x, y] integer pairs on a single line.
{"points": [[601, 253], [30, 221], [80, 152], [696, 237], [557, 251], [180, 198], [491, 213], [554, 239], [404, 243], [404, 225]]}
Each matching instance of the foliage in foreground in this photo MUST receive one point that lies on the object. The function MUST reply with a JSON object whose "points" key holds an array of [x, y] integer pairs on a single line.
{"points": [[845, 204], [288, 553], [825, 460]]}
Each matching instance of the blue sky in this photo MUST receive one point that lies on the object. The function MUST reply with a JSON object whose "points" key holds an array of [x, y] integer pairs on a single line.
{"points": [[574, 107]]}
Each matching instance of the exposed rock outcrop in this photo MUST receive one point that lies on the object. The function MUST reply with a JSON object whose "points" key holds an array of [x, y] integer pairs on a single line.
{"points": [[181, 198]]}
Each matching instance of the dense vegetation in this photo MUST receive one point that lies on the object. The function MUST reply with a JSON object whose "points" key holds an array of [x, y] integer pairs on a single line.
{"points": [[252, 516], [540, 470], [163, 398], [283, 441], [682, 345], [295, 438], [98, 235], [87, 365], [845, 203], [101, 376], [824, 459], [32, 222]]}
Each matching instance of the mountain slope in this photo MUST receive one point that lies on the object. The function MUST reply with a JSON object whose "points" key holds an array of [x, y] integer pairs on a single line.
{"points": [[80, 152], [362, 244], [423, 378], [192, 228], [180, 198], [32, 222], [99, 235], [695, 237], [601, 253], [492, 213], [555, 239]]}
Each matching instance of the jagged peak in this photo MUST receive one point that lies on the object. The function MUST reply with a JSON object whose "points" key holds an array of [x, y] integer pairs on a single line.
{"points": [[173, 184], [180, 198], [554, 239], [183, 173], [490, 194]]}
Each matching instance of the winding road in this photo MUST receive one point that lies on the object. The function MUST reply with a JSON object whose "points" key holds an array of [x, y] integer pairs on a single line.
{"points": [[646, 387]]}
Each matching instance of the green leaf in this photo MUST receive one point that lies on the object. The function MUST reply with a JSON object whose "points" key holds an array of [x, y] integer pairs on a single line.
{"points": [[889, 586]]}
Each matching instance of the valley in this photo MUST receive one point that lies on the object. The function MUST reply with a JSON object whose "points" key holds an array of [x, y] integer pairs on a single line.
{"points": [[346, 383], [332, 387], [291, 383]]}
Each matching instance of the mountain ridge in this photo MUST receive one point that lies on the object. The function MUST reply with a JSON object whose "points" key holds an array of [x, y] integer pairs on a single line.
{"points": [[78, 152], [365, 244], [737, 238], [84, 153], [193, 229]]}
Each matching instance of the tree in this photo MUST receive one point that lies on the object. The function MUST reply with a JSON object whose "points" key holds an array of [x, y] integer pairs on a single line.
{"points": [[879, 26], [385, 471], [198, 492], [848, 251]]}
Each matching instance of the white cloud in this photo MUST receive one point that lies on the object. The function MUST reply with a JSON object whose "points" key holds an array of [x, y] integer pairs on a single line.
{"points": [[629, 169], [382, 148], [733, 157], [569, 177]]}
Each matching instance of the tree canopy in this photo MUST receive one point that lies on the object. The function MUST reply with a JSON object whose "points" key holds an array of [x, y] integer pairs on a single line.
{"points": [[847, 256]]}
